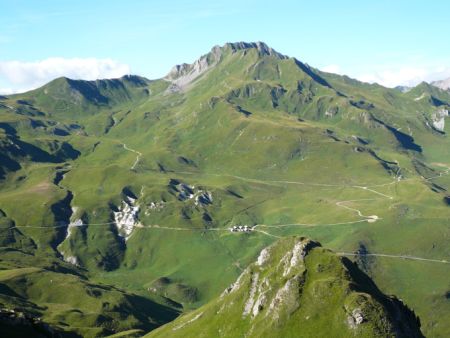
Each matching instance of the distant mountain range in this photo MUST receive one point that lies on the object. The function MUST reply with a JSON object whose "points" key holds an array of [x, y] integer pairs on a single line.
{"points": [[147, 198], [443, 84]]}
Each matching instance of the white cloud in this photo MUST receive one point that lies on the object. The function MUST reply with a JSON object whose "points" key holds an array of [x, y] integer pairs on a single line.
{"points": [[336, 69], [19, 76], [6, 91], [408, 75], [390, 76]]}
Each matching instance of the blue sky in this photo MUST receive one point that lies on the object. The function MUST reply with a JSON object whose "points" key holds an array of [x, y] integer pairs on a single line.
{"points": [[390, 42]]}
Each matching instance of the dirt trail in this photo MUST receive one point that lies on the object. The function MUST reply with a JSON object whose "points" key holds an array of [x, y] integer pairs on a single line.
{"points": [[414, 258], [139, 154]]}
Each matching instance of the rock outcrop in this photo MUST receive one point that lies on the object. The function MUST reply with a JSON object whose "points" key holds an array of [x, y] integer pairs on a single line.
{"points": [[438, 119], [296, 288], [64, 246], [127, 217]]}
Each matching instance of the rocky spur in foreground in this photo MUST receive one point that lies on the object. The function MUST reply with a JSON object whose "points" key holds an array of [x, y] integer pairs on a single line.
{"points": [[297, 288]]}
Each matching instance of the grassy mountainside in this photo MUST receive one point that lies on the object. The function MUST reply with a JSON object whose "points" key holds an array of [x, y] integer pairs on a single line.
{"points": [[62, 300], [298, 289], [137, 181]]}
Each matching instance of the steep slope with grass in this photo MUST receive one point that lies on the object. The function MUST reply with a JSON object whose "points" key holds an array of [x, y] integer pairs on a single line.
{"points": [[298, 289], [48, 297]]}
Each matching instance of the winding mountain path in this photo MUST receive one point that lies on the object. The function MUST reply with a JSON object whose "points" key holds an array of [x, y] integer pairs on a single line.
{"points": [[408, 257], [414, 258], [370, 219], [256, 228], [138, 155]]}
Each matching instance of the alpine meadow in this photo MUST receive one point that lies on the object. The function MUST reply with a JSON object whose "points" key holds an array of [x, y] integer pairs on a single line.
{"points": [[247, 194]]}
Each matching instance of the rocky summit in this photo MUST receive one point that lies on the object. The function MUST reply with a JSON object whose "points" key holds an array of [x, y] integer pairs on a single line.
{"points": [[443, 84]]}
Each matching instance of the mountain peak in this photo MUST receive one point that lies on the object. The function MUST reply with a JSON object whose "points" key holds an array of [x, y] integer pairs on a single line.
{"points": [[183, 74], [443, 84], [263, 49]]}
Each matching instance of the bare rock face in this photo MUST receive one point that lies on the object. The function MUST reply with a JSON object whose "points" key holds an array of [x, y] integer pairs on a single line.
{"points": [[127, 217], [74, 223], [251, 298], [296, 256], [286, 299], [236, 285], [263, 257], [261, 47], [268, 292], [355, 319], [443, 84], [182, 75], [438, 119]]}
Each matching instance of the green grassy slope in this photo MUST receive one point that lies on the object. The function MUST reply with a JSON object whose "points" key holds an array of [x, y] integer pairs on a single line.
{"points": [[258, 139], [296, 288], [62, 297]]}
